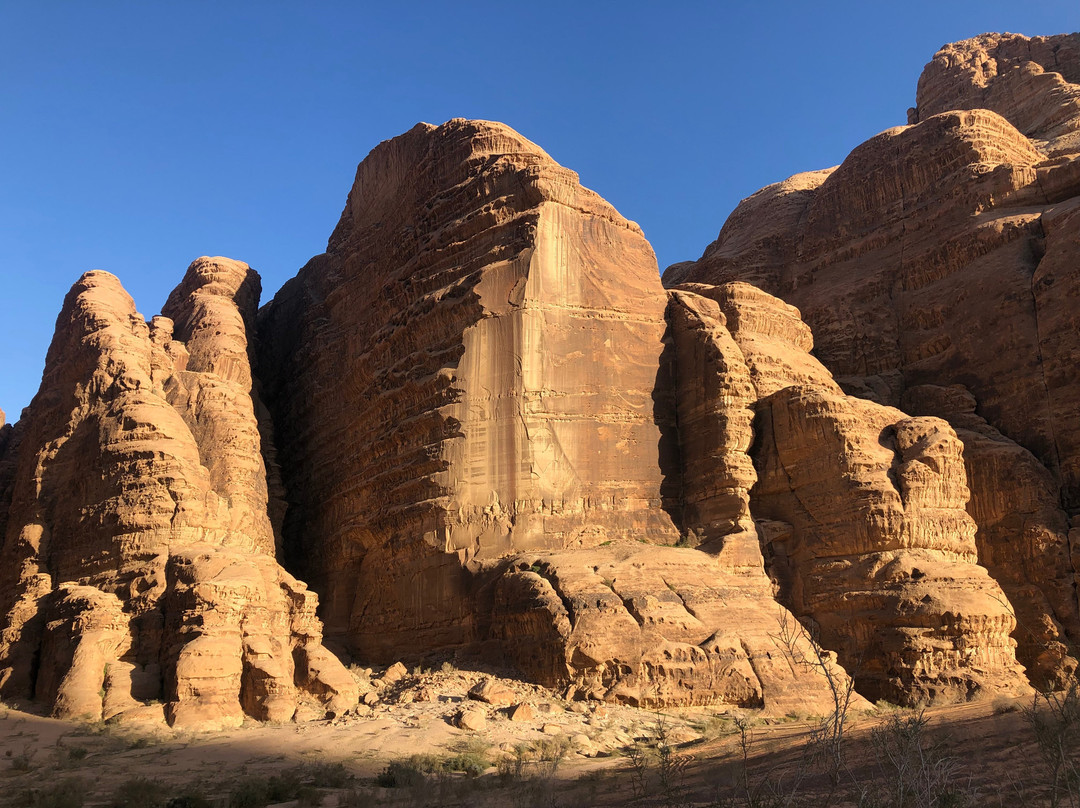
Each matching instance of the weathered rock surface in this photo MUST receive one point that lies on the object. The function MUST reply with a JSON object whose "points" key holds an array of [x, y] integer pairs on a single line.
{"points": [[1023, 534], [944, 253], [489, 424], [467, 371], [867, 529], [657, 625], [469, 390], [8, 442], [711, 398], [137, 560], [1033, 82]]}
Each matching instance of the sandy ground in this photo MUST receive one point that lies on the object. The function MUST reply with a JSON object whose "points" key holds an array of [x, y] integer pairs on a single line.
{"points": [[565, 754]]}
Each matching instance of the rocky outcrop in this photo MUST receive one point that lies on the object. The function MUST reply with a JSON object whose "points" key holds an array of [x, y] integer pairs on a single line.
{"points": [[650, 626], [865, 522], [489, 429], [712, 402], [137, 562], [1023, 534], [943, 253], [1033, 82], [471, 388], [8, 441], [465, 373]]}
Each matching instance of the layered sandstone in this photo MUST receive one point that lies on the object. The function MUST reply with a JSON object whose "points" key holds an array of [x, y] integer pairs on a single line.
{"points": [[1023, 534], [864, 520], [470, 391], [943, 253], [650, 626], [712, 400], [1033, 82], [466, 372], [137, 564]]}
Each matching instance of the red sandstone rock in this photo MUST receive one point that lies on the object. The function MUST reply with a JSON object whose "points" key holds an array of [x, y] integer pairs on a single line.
{"points": [[944, 253], [867, 529], [1033, 82], [132, 570], [471, 385]]}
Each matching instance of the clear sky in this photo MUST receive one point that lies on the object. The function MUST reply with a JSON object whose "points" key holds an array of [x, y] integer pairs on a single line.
{"points": [[138, 136]]}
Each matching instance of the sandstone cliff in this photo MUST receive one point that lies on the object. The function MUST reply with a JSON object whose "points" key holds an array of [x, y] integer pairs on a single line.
{"points": [[943, 253], [864, 521], [489, 429], [137, 562], [469, 390]]}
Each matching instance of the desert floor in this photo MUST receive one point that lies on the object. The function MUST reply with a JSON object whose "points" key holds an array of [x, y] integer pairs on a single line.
{"points": [[406, 750]]}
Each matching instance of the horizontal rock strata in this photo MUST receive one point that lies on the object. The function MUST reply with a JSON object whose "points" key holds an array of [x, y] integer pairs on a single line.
{"points": [[865, 521], [471, 389], [943, 253], [137, 564]]}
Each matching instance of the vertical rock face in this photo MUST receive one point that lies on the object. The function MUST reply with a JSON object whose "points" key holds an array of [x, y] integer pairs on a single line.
{"points": [[467, 372], [1023, 535], [865, 520], [662, 625], [944, 253], [7, 468], [133, 570], [471, 390], [713, 400]]}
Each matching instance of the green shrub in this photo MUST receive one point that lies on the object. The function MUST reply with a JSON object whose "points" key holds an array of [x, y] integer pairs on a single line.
{"points": [[324, 775], [407, 773]]}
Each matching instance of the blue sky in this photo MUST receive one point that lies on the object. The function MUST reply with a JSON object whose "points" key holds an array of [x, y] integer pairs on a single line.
{"points": [[138, 136]]}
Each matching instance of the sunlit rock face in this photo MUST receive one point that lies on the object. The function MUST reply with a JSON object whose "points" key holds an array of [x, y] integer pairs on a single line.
{"points": [[480, 424], [137, 566], [941, 256], [862, 515], [476, 393], [467, 372]]}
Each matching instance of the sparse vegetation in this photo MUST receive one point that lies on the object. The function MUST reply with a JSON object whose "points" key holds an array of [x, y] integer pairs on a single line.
{"points": [[24, 761], [1054, 717], [1005, 704], [140, 792], [914, 771], [300, 783], [469, 758], [65, 794]]}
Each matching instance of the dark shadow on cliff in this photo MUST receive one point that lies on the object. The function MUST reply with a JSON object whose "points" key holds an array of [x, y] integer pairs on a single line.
{"points": [[669, 454]]}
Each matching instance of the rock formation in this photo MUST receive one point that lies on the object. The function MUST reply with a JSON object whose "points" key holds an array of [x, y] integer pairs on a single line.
{"points": [[490, 430], [137, 562], [1033, 82], [866, 528], [943, 253], [469, 389]]}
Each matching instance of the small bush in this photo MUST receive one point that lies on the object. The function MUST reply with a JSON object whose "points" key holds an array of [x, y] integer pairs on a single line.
{"points": [[408, 773], [24, 762], [65, 794], [138, 793], [714, 727], [256, 792], [914, 772], [1004, 704], [325, 775], [193, 799]]}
